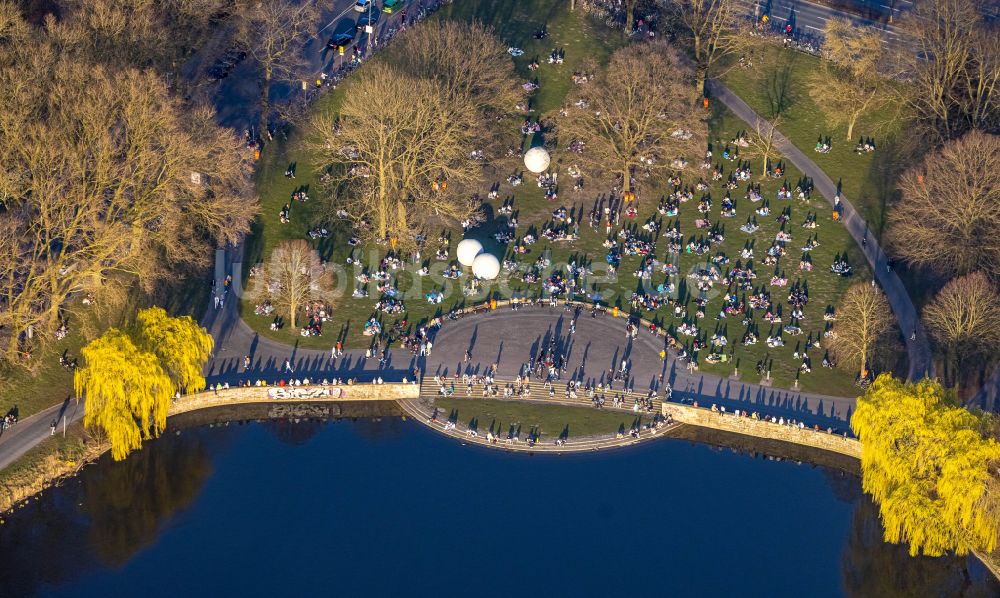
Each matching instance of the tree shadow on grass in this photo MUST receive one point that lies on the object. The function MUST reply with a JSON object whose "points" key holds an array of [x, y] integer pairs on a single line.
{"points": [[780, 95]]}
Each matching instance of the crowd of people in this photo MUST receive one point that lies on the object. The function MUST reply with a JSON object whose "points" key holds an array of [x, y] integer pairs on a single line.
{"points": [[735, 274]]}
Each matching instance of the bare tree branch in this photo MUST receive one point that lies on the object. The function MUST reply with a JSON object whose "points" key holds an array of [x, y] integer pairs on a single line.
{"points": [[948, 217], [639, 118]]}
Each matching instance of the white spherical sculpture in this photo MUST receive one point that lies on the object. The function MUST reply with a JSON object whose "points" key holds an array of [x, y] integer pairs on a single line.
{"points": [[467, 251], [536, 160], [486, 266]]}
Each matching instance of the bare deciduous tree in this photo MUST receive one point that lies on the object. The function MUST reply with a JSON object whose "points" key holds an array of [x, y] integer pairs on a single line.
{"points": [[762, 143], [294, 277], [472, 65], [466, 59], [273, 33], [955, 70], [639, 117], [948, 217], [717, 29], [964, 320], [117, 32], [849, 83], [137, 33], [863, 317], [105, 175], [398, 155]]}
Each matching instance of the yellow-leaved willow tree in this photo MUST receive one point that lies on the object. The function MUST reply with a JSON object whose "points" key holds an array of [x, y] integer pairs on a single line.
{"points": [[181, 345], [129, 376], [931, 466]]}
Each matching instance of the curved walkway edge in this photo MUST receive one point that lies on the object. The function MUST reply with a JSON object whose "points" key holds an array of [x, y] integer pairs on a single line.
{"points": [[422, 409], [918, 346]]}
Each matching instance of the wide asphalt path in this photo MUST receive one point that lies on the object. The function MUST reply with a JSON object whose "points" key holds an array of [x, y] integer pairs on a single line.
{"points": [[28, 432]]}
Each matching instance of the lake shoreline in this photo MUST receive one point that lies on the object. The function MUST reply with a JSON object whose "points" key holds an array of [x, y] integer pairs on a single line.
{"points": [[56, 472]]}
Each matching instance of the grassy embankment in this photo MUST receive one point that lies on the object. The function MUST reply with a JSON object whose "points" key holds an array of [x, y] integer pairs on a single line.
{"points": [[45, 464], [548, 421]]}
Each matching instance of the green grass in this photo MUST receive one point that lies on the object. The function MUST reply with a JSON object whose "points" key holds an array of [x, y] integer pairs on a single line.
{"points": [[778, 85], [550, 421], [42, 383], [516, 23]]}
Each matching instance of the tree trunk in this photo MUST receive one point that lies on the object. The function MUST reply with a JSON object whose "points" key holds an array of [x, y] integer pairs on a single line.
{"points": [[53, 317], [701, 74], [265, 102], [956, 367], [850, 126], [13, 346], [629, 17]]}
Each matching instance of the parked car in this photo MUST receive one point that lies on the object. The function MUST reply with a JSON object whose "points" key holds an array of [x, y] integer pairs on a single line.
{"points": [[362, 5], [366, 20], [391, 6], [340, 42]]}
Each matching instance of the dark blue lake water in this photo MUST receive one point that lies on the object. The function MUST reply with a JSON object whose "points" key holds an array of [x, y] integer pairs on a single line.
{"points": [[389, 508]]}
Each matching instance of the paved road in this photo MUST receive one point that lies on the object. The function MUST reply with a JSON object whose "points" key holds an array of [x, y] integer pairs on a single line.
{"points": [[236, 97], [810, 19], [27, 433], [918, 346]]}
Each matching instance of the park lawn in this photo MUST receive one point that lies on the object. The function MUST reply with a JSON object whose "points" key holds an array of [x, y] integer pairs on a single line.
{"points": [[45, 382], [515, 22], [778, 85], [533, 212], [550, 421]]}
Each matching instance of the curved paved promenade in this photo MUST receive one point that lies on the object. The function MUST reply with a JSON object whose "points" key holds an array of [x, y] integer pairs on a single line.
{"points": [[510, 339]]}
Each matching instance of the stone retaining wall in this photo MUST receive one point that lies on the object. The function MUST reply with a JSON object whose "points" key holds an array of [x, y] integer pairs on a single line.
{"points": [[728, 422], [277, 395]]}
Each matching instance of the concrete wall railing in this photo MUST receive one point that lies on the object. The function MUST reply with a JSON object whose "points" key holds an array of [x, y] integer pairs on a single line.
{"points": [[748, 426], [293, 394]]}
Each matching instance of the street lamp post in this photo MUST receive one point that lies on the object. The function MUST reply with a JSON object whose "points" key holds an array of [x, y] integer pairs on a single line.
{"points": [[369, 30]]}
